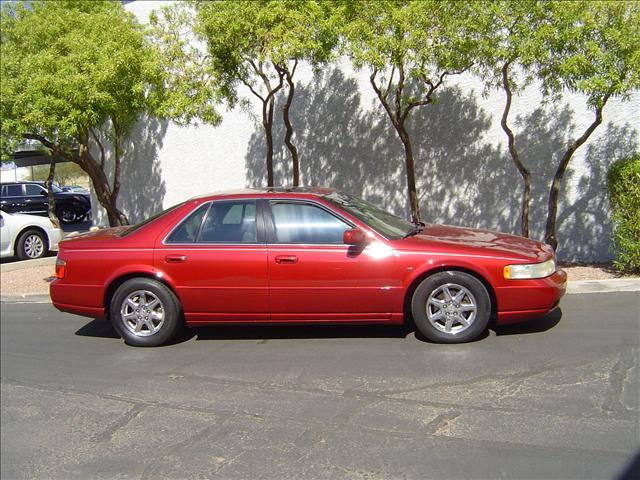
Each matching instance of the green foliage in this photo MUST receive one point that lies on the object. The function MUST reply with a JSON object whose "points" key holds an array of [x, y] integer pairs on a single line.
{"points": [[427, 37], [211, 48], [191, 94], [71, 65], [624, 192], [592, 48]]}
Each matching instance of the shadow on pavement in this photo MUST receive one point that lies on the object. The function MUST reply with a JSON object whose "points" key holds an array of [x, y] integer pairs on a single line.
{"points": [[537, 325], [102, 328], [98, 328]]}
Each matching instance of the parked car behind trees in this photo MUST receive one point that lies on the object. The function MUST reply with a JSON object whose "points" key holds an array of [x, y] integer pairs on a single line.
{"points": [[27, 236], [31, 198]]}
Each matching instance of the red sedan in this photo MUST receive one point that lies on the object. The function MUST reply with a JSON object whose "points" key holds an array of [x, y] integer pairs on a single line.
{"points": [[303, 255]]}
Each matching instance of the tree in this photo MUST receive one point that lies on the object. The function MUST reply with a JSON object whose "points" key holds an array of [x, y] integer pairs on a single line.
{"points": [[508, 51], [256, 44], [410, 48], [72, 71], [595, 51], [270, 38]]}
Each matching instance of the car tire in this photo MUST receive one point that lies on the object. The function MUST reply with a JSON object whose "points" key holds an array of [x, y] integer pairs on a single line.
{"points": [[66, 214], [451, 307], [145, 312], [31, 244]]}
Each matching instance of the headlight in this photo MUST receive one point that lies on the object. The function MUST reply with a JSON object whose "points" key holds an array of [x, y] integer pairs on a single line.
{"points": [[530, 270]]}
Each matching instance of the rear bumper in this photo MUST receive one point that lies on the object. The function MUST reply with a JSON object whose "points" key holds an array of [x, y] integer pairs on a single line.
{"points": [[522, 300], [77, 299]]}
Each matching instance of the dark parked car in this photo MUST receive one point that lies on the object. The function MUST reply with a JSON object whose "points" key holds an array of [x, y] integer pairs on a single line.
{"points": [[31, 198], [304, 255]]}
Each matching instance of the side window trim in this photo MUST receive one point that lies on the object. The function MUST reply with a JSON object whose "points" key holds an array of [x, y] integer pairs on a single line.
{"points": [[259, 226], [271, 229]]}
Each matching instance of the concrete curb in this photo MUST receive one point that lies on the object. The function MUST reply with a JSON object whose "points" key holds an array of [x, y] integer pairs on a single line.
{"points": [[631, 284], [12, 267], [25, 298]]}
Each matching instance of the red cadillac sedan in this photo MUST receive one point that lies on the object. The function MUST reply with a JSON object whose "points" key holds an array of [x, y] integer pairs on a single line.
{"points": [[301, 255]]}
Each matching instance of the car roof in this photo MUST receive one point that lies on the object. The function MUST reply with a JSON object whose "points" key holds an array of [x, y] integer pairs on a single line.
{"points": [[290, 192]]}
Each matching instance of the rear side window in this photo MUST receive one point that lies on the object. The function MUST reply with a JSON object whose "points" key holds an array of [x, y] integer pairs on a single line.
{"points": [[230, 222], [218, 222], [304, 223], [12, 191], [188, 230]]}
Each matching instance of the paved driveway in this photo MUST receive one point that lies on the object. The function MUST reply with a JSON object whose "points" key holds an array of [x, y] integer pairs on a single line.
{"points": [[555, 399]]}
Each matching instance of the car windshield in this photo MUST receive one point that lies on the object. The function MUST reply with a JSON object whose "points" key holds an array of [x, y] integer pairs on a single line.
{"points": [[385, 223], [137, 226], [55, 188]]}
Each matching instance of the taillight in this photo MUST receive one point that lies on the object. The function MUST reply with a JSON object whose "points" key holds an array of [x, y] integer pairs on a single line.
{"points": [[61, 268]]}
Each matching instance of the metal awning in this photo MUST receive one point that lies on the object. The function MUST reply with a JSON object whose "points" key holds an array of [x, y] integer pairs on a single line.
{"points": [[31, 158]]}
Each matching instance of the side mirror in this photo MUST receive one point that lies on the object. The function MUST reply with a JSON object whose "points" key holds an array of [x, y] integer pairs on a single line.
{"points": [[354, 236]]}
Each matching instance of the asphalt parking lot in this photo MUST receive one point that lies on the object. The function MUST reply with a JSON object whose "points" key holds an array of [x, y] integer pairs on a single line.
{"points": [[558, 398]]}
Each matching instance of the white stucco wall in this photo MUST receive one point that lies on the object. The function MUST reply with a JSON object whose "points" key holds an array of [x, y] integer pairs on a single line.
{"points": [[465, 175]]}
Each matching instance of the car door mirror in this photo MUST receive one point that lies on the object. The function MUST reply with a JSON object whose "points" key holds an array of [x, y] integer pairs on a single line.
{"points": [[354, 236]]}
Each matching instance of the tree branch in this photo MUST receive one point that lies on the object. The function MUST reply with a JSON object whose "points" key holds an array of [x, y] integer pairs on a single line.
{"points": [[95, 137]]}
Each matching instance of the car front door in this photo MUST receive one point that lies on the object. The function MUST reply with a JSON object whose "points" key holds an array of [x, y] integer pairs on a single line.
{"points": [[36, 199], [216, 259], [314, 276]]}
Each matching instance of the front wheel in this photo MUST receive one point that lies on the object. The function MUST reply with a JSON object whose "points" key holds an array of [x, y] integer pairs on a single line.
{"points": [[145, 312], [66, 214], [32, 244], [451, 307]]}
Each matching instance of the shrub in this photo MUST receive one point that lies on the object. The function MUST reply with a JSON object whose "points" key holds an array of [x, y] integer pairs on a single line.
{"points": [[624, 193]]}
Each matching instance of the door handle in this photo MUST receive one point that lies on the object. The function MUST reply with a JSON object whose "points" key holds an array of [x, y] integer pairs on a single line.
{"points": [[175, 258], [286, 259]]}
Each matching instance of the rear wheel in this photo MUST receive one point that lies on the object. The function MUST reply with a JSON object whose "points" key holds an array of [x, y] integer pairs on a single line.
{"points": [[451, 307], [145, 312], [31, 244]]}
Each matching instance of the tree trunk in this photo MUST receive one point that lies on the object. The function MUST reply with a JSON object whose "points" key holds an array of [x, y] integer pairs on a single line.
{"points": [[289, 131], [267, 123], [552, 206], [524, 172], [51, 208], [410, 171], [101, 187]]}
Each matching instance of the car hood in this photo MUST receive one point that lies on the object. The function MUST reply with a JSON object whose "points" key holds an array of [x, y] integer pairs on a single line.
{"points": [[497, 243]]}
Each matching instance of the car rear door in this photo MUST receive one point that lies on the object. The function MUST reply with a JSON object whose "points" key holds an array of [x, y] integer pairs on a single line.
{"points": [[216, 259], [314, 276], [12, 199]]}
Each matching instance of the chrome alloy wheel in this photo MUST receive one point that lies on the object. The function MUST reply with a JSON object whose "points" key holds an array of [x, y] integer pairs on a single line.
{"points": [[142, 313], [451, 308], [34, 246]]}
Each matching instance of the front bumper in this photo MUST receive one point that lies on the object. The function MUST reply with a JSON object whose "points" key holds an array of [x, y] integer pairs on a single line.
{"points": [[522, 300]]}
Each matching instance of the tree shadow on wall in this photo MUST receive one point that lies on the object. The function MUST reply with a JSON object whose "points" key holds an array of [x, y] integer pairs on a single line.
{"points": [[352, 148], [463, 178], [584, 224], [142, 189]]}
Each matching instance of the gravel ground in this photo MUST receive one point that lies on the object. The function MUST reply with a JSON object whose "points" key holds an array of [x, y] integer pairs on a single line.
{"points": [[36, 279]]}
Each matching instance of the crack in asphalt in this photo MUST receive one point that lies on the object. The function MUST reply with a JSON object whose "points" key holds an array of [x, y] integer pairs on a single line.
{"points": [[108, 433], [618, 376]]}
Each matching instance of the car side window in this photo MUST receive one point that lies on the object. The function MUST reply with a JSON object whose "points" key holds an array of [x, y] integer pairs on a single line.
{"points": [[32, 189], [306, 223], [13, 191], [187, 231], [230, 222]]}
